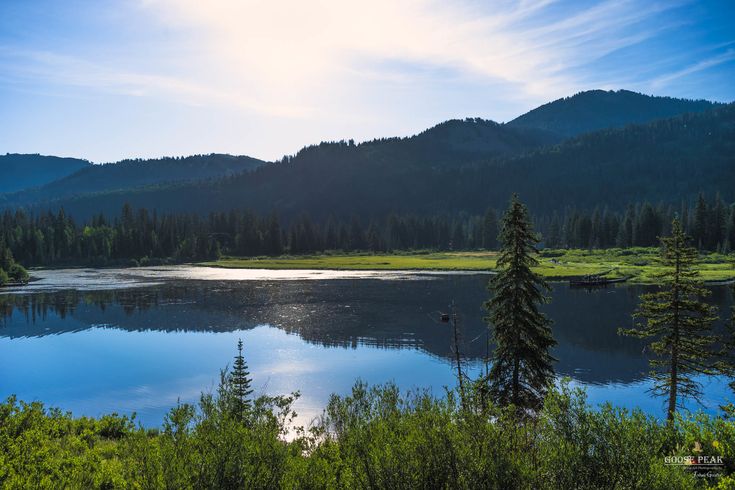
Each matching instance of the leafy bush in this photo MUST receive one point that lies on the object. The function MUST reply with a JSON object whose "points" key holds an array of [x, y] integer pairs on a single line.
{"points": [[18, 273], [114, 426], [376, 437]]}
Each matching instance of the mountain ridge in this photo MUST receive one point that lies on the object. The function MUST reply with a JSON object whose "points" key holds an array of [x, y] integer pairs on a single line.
{"points": [[46, 168], [424, 170], [668, 160], [593, 110], [130, 174]]}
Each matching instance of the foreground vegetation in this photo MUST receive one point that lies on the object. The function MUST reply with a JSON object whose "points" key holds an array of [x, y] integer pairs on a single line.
{"points": [[640, 264], [377, 437]]}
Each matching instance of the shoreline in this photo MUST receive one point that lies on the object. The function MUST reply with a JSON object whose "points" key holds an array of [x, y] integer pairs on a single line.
{"points": [[635, 265]]}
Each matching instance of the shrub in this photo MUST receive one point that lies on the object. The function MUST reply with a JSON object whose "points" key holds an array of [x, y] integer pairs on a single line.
{"points": [[18, 273], [376, 437]]}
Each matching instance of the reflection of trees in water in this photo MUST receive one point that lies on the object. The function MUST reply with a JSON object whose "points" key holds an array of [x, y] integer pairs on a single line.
{"points": [[347, 313], [38, 306]]}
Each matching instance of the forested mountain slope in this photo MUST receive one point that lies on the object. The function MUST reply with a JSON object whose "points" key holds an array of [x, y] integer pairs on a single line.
{"points": [[21, 171], [601, 109], [459, 141], [668, 160], [129, 174], [450, 143]]}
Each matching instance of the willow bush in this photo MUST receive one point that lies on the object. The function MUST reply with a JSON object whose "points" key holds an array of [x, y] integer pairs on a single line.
{"points": [[376, 437]]}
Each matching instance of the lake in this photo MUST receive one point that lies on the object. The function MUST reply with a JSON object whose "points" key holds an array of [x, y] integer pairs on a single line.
{"points": [[138, 340]]}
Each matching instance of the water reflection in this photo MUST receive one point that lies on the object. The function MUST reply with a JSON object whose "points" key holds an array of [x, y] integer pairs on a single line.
{"points": [[347, 313]]}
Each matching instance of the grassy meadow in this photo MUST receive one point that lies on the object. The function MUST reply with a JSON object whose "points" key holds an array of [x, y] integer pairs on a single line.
{"points": [[640, 264]]}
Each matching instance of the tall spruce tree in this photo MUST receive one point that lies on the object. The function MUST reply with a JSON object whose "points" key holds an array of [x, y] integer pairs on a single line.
{"points": [[679, 322], [240, 385], [522, 363], [701, 213]]}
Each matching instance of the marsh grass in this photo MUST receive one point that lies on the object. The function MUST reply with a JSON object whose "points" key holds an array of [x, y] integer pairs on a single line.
{"points": [[639, 264]]}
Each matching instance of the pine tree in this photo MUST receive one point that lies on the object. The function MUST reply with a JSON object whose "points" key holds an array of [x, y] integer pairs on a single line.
{"points": [[554, 238], [522, 364], [700, 222], [274, 245], [490, 230], [647, 227], [240, 385], [4, 262], [331, 239], [679, 321], [458, 237], [597, 237], [625, 234], [716, 225], [6, 257], [730, 229]]}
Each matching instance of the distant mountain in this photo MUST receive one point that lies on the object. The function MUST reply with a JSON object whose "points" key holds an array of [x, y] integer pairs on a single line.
{"points": [[21, 171], [129, 174], [664, 161], [600, 109], [450, 144]]}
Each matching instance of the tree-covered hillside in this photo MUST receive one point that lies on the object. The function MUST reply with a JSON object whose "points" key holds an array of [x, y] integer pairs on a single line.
{"points": [[129, 174], [23, 171], [600, 109], [669, 160], [458, 141], [459, 166]]}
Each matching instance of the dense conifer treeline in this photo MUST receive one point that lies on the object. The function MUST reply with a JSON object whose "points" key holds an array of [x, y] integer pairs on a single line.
{"points": [[56, 238], [710, 223]]}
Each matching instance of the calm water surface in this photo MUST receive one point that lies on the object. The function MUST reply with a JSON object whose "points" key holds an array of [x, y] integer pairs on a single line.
{"points": [[138, 340]]}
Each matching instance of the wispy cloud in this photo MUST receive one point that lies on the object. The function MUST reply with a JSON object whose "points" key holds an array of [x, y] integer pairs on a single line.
{"points": [[27, 66], [295, 48], [265, 77], [664, 80], [281, 58]]}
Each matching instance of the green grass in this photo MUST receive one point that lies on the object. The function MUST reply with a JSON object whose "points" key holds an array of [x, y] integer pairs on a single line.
{"points": [[398, 261], [640, 264]]}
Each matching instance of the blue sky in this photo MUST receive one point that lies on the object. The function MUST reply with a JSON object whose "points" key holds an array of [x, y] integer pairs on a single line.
{"points": [[106, 80]]}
